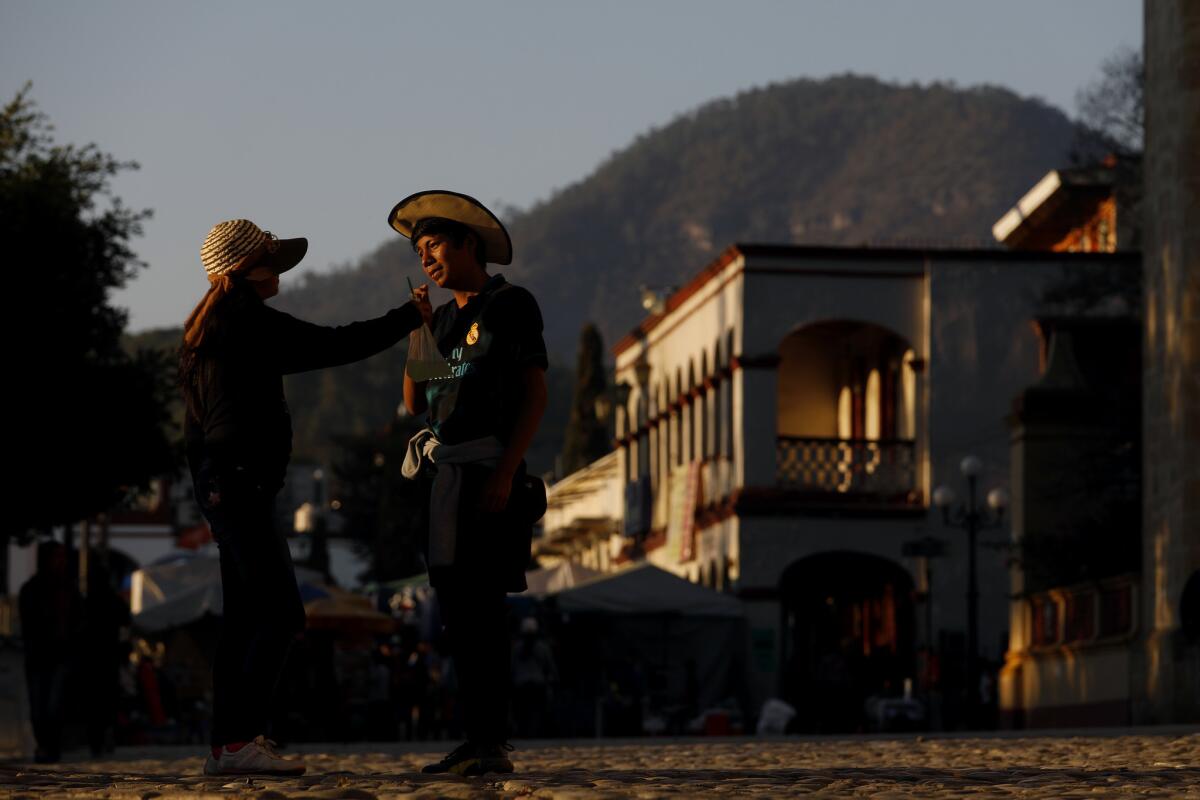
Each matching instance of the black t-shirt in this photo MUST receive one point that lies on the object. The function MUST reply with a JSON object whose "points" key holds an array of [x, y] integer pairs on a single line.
{"points": [[487, 342]]}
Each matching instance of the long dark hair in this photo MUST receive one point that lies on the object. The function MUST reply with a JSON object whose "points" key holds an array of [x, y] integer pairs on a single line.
{"points": [[199, 331]]}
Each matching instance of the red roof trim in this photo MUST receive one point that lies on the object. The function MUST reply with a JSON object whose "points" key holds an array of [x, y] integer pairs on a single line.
{"points": [[830, 253], [677, 299]]}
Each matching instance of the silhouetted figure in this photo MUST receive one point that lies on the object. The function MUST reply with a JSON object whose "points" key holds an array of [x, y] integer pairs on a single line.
{"points": [[534, 674], [50, 617], [626, 685], [235, 352], [105, 613]]}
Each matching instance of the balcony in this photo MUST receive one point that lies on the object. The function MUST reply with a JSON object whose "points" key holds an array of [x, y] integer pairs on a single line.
{"points": [[877, 471]]}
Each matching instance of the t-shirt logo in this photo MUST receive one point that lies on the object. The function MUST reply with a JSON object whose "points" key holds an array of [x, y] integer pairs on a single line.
{"points": [[473, 334]]}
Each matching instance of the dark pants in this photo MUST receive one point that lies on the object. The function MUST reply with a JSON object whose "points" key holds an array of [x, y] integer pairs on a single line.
{"points": [[475, 619], [47, 682], [263, 613]]}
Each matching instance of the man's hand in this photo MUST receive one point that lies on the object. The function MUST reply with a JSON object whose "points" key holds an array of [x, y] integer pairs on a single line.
{"points": [[498, 485], [420, 297], [496, 490]]}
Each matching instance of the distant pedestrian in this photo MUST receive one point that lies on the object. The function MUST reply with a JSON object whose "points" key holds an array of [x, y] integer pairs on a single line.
{"points": [[106, 614], [51, 617], [235, 352], [534, 676], [482, 416]]}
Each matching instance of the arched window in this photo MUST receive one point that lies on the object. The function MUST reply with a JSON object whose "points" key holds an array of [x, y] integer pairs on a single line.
{"points": [[664, 435], [677, 431], [703, 411], [908, 397], [690, 408], [845, 413], [873, 423], [728, 410]]}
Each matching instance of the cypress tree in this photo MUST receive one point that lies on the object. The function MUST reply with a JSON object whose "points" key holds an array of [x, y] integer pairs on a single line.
{"points": [[587, 436]]}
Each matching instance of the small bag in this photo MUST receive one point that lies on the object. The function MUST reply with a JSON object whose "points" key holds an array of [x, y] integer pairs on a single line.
{"points": [[528, 499], [425, 361]]}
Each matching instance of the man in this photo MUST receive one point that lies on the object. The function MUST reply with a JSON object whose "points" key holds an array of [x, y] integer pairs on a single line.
{"points": [[50, 608], [482, 417]]}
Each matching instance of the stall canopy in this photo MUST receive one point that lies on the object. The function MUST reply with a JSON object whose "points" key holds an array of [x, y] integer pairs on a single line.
{"points": [[646, 589], [654, 636], [563, 575], [186, 586]]}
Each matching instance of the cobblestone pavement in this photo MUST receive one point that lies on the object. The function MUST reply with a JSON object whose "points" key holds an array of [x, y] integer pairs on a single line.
{"points": [[1136, 764]]}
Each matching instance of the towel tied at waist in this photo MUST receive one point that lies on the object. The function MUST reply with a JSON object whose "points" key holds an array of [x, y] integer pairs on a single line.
{"points": [[424, 449]]}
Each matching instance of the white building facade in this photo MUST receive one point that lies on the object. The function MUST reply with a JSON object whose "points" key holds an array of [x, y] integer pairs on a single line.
{"points": [[786, 418]]}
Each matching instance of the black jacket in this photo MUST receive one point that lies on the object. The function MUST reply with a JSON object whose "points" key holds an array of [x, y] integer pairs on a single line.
{"points": [[237, 418]]}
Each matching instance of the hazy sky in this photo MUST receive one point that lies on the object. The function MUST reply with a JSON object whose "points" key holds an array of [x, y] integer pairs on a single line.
{"points": [[315, 118]]}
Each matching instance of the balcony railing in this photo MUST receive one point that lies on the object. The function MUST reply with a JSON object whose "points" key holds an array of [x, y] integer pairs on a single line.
{"points": [[884, 468]]}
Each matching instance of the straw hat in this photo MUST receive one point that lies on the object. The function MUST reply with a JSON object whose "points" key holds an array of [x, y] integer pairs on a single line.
{"points": [[460, 208], [238, 244]]}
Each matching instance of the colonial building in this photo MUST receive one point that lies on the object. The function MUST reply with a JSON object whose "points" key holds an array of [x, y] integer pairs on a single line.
{"points": [[1117, 642], [785, 418], [1076, 528]]}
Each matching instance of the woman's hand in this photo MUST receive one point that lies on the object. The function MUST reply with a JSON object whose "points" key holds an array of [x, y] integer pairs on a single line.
{"points": [[420, 298]]}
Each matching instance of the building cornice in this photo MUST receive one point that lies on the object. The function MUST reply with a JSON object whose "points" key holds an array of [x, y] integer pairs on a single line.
{"points": [[843, 254]]}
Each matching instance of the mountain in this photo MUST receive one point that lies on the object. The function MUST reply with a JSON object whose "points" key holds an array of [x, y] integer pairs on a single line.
{"points": [[847, 160]]}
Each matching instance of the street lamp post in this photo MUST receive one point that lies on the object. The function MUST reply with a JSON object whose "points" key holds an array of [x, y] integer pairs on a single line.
{"points": [[973, 518]]}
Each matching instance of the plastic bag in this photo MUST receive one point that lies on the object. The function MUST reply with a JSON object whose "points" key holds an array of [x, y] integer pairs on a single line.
{"points": [[425, 361]]}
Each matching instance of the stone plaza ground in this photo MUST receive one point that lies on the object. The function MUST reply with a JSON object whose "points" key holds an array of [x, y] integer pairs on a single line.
{"points": [[1131, 763]]}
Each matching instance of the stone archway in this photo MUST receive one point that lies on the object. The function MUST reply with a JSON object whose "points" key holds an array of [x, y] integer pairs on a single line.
{"points": [[848, 633]]}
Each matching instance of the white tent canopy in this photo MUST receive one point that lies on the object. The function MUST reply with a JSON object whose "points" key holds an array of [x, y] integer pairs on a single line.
{"points": [[182, 588], [646, 589], [563, 575]]}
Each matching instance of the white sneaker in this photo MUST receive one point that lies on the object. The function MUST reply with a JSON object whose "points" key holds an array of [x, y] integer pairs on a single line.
{"points": [[254, 758]]}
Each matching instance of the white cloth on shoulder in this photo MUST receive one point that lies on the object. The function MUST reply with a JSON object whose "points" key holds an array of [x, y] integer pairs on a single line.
{"points": [[448, 460]]}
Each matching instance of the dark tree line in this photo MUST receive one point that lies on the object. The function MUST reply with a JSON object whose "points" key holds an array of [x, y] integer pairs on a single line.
{"points": [[89, 418]]}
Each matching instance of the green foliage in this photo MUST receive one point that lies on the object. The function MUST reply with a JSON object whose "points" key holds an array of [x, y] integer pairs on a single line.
{"points": [[587, 437], [89, 415]]}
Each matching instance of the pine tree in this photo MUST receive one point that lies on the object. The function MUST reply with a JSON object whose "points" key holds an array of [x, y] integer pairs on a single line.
{"points": [[587, 436]]}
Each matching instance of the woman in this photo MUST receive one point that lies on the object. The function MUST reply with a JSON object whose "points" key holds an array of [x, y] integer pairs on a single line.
{"points": [[235, 352]]}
